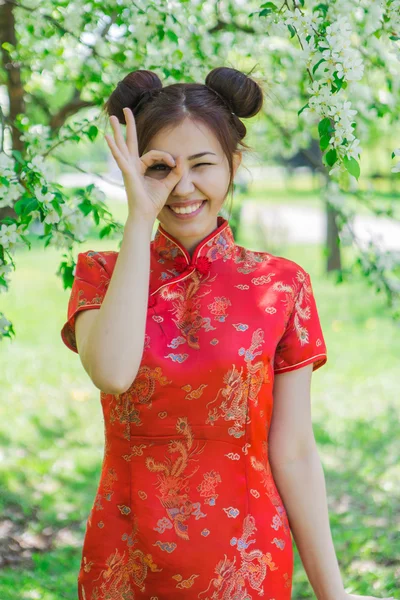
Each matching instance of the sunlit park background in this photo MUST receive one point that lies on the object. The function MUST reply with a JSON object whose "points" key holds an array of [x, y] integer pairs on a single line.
{"points": [[51, 425]]}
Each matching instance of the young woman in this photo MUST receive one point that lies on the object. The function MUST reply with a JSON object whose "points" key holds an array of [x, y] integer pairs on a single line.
{"points": [[203, 352]]}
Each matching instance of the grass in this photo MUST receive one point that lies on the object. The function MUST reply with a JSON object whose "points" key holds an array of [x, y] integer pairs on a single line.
{"points": [[51, 431]]}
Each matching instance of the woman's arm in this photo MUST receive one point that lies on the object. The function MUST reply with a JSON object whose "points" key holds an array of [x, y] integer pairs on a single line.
{"points": [[299, 477], [112, 349]]}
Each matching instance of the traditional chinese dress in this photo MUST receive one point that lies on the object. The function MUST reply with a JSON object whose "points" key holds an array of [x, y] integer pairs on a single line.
{"points": [[186, 505]]}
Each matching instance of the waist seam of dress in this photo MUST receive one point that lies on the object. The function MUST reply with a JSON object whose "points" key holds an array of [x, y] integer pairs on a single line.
{"points": [[246, 456]]}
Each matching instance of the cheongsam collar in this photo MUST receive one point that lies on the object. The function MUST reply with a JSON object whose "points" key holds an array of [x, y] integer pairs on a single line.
{"points": [[218, 244]]}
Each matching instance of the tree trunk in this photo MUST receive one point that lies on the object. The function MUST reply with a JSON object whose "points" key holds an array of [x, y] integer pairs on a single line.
{"points": [[14, 84], [333, 259]]}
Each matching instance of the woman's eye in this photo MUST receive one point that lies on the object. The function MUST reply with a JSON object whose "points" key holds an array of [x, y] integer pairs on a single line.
{"points": [[154, 167]]}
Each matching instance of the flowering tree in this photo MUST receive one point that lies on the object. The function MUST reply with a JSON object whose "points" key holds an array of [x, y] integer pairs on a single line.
{"points": [[329, 70]]}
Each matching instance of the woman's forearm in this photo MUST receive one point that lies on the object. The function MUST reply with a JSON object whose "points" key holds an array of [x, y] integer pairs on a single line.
{"points": [[301, 485], [115, 344]]}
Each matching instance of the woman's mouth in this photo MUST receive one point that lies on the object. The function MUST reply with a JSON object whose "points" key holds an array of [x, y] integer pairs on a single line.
{"points": [[188, 212]]}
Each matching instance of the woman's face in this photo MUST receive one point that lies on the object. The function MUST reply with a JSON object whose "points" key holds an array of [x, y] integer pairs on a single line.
{"points": [[204, 178]]}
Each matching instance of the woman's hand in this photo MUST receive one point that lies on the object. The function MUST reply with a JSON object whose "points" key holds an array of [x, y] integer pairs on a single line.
{"points": [[146, 195]]}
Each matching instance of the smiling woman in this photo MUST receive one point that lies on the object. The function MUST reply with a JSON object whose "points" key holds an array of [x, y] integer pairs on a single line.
{"points": [[191, 331]]}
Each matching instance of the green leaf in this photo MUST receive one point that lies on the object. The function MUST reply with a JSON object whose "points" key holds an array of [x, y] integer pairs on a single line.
{"points": [[160, 32], [331, 157], [324, 142], [7, 46], [105, 231], [270, 5], [26, 240], [339, 83], [19, 205], [119, 57], [172, 36], [92, 132], [265, 12], [352, 166], [301, 110], [315, 67], [48, 240], [8, 221], [18, 156], [292, 31], [26, 205], [324, 127], [85, 207], [31, 205], [57, 208], [177, 54], [322, 7]]}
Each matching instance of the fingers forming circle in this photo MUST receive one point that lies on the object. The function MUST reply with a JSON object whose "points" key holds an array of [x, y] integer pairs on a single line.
{"points": [[152, 156], [119, 138]]}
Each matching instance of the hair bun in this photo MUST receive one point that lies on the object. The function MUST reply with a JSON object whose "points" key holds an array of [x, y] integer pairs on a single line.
{"points": [[242, 93], [134, 89]]}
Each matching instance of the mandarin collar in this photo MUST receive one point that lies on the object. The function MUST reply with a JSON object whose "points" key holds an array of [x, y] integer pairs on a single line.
{"points": [[218, 244]]}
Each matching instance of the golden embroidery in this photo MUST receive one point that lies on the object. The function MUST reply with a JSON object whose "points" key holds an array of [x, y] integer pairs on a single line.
{"points": [[218, 308], [126, 406], [267, 480], [185, 298], [231, 581], [186, 584], [238, 391], [172, 478], [208, 485], [110, 478], [193, 394], [123, 571]]}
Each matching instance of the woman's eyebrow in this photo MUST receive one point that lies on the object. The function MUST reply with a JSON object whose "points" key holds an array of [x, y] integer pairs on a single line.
{"points": [[199, 154]]}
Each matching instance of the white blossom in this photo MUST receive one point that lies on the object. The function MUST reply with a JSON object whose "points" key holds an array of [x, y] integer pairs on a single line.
{"points": [[7, 165], [52, 217], [9, 235]]}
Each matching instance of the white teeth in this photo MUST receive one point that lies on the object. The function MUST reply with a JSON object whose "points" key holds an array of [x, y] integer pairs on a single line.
{"points": [[186, 210]]}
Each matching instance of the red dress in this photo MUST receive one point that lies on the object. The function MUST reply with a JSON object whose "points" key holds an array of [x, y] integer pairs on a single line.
{"points": [[186, 505]]}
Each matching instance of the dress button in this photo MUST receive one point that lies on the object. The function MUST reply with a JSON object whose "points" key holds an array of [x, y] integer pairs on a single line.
{"points": [[202, 264]]}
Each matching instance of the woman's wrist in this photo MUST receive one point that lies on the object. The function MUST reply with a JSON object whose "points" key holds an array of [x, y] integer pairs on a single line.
{"points": [[141, 221]]}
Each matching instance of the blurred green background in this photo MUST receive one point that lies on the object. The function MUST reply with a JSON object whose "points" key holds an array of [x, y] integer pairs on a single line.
{"points": [[51, 425]]}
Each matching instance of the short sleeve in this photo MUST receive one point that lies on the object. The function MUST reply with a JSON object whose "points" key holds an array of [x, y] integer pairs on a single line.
{"points": [[89, 287], [302, 342]]}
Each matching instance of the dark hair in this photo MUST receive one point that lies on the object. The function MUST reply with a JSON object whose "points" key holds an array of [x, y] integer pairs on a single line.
{"points": [[155, 107]]}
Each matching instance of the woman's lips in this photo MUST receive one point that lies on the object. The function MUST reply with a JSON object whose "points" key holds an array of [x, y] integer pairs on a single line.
{"points": [[187, 215]]}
